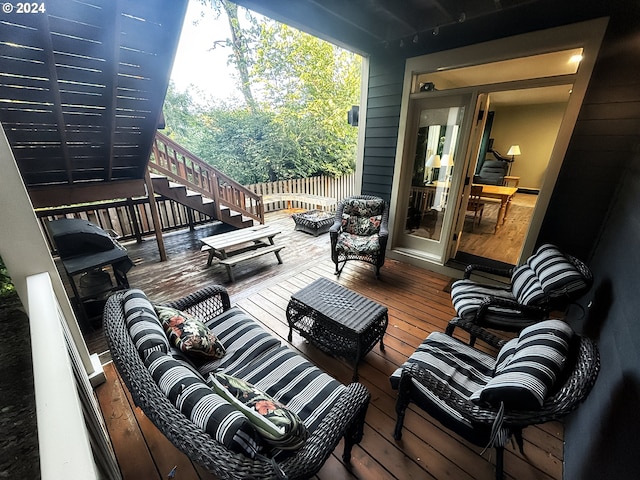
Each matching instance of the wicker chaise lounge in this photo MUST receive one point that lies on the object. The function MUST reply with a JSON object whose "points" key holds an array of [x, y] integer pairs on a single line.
{"points": [[338, 412]]}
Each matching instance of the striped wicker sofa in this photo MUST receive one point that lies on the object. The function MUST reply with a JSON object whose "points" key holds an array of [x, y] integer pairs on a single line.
{"points": [[172, 390]]}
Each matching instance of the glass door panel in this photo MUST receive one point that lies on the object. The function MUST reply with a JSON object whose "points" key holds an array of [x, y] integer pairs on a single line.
{"points": [[436, 154]]}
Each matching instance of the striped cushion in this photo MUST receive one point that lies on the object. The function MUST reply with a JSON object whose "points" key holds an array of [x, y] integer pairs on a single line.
{"points": [[462, 367], [532, 369], [243, 339], [467, 296], [526, 287], [506, 354], [287, 377], [557, 276], [201, 405], [143, 324]]}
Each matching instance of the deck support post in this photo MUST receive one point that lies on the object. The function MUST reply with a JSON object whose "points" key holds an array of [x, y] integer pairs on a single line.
{"points": [[155, 216]]}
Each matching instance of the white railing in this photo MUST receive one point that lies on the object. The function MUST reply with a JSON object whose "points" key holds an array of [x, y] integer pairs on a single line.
{"points": [[68, 416]]}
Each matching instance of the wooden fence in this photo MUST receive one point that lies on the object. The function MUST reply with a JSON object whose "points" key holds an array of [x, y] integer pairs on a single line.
{"points": [[337, 188]]}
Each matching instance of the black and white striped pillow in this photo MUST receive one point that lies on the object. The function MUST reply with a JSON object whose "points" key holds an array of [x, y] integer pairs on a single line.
{"points": [[143, 324], [208, 410], [557, 275], [525, 375], [526, 287]]}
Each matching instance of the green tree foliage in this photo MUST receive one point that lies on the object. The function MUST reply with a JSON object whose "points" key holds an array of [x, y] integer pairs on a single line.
{"points": [[297, 125], [6, 286]]}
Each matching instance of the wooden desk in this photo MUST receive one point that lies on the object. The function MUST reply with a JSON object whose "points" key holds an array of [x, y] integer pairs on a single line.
{"points": [[504, 194], [243, 244]]}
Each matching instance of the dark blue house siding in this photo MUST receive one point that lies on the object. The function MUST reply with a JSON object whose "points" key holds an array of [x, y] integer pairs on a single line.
{"points": [[383, 117]]}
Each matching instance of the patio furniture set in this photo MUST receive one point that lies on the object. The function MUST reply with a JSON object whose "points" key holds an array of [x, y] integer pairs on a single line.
{"points": [[541, 374]]}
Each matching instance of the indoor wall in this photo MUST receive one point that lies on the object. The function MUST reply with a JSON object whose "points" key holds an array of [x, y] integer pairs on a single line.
{"points": [[534, 128]]}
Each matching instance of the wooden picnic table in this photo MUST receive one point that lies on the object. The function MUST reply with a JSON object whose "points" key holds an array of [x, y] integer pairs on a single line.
{"points": [[239, 245]]}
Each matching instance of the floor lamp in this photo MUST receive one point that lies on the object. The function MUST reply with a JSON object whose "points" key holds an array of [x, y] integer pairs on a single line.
{"points": [[514, 150]]}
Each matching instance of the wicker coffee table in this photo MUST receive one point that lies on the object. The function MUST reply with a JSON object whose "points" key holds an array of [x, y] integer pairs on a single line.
{"points": [[337, 320]]}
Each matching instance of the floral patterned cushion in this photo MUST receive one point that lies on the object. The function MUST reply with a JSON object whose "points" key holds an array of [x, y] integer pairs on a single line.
{"points": [[189, 334], [364, 245], [279, 426], [363, 208], [356, 225]]}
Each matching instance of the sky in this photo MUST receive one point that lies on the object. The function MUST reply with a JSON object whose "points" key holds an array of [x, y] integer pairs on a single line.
{"points": [[196, 63]]}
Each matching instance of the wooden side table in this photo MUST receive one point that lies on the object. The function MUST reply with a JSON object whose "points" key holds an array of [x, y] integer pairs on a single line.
{"points": [[337, 320]]}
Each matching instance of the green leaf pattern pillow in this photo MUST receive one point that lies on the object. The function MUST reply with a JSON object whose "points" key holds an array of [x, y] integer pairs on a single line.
{"points": [[279, 426]]}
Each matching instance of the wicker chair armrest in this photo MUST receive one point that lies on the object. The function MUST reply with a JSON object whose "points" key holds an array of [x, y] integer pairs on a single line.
{"points": [[477, 331], [335, 228], [504, 272], [582, 268], [205, 303], [530, 311]]}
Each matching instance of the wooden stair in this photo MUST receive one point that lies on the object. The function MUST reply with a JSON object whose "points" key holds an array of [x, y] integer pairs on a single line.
{"points": [[195, 200]]}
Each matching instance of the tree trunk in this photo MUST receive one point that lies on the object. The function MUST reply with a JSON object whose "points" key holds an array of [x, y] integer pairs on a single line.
{"points": [[239, 45]]}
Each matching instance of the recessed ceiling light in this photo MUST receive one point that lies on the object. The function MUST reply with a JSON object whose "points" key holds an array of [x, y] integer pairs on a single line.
{"points": [[575, 59]]}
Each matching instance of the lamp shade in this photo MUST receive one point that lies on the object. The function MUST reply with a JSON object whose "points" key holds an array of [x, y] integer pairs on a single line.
{"points": [[514, 150], [433, 161]]}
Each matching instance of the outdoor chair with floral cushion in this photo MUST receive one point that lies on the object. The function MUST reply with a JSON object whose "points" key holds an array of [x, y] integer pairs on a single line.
{"points": [[360, 231]]}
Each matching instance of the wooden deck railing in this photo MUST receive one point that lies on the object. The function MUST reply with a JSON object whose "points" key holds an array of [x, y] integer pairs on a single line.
{"points": [[170, 159], [130, 218]]}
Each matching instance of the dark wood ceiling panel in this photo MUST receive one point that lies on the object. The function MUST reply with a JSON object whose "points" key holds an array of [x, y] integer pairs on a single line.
{"points": [[83, 84]]}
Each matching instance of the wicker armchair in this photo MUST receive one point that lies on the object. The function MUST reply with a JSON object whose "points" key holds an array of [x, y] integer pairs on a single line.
{"points": [[345, 419], [360, 231], [420, 382], [549, 280]]}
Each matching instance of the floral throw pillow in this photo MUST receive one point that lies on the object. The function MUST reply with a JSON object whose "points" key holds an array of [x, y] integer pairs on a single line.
{"points": [[189, 334], [278, 426], [356, 225]]}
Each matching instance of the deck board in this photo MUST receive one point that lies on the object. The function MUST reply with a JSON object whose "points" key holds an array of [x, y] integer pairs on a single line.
{"points": [[418, 304]]}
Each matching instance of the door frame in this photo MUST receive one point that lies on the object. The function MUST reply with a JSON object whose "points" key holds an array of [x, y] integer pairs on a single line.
{"points": [[586, 35]]}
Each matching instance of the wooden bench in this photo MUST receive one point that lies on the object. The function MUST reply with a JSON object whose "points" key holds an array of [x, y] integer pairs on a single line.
{"points": [[248, 255], [317, 201]]}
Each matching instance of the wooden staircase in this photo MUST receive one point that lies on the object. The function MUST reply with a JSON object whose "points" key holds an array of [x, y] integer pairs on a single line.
{"points": [[181, 194], [179, 175]]}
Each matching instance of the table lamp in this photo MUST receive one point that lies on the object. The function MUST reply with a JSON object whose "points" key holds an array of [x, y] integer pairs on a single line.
{"points": [[433, 162]]}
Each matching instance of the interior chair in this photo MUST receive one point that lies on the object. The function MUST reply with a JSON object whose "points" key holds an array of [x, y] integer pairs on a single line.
{"points": [[475, 205], [360, 231], [548, 281], [540, 376], [492, 172]]}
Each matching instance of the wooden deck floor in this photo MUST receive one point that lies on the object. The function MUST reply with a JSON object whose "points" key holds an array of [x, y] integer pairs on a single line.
{"points": [[418, 304]]}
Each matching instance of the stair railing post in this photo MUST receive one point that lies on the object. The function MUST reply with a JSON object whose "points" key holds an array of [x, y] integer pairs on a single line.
{"points": [[216, 195]]}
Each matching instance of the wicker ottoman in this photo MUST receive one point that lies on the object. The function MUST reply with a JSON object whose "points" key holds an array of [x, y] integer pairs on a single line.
{"points": [[337, 320], [313, 221]]}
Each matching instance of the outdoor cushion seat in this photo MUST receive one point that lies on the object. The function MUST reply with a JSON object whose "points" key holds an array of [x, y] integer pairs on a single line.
{"points": [[360, 231], [548, 280], [170, 386], [541, 375]]}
